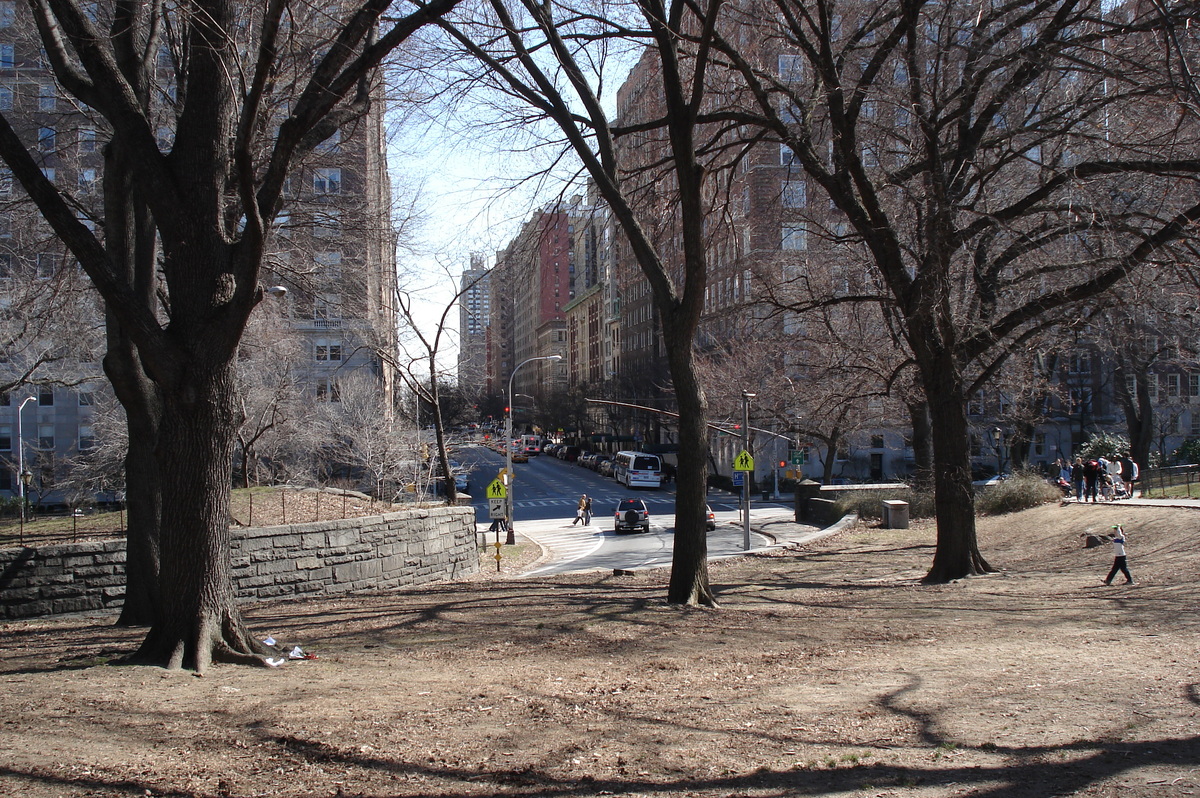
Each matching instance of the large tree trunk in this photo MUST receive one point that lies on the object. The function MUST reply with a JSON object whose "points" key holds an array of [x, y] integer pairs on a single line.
{"points": [[689, 558], [143, 489], [922, 443], [198, 619], [957, 552]]}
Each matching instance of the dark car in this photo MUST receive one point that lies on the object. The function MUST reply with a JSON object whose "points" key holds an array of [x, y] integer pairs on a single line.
{"points": [[631, 515], [568, 453]]}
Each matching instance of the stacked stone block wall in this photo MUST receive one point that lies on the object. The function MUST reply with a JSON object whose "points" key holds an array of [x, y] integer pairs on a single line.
{"points": [[400, 549]]}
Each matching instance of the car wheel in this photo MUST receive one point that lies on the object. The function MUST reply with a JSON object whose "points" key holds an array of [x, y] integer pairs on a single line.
{"points": [[646, 529]]}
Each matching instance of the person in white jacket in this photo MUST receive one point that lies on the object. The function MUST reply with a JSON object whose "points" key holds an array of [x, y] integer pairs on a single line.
{"points": [[1120, 563]]}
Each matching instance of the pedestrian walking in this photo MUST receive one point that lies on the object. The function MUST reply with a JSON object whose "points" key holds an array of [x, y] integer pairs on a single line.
{"points": [[1091, 478], [583, 511], [1120, 563], [1077, 478]]}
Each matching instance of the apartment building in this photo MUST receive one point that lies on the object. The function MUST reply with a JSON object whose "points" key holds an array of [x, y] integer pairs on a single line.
{"points": [[332, 249], [533, 279], [474, 312]]}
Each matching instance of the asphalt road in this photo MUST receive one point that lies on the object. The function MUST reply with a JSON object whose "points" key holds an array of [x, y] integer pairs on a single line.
{"points": [[546, 491]]}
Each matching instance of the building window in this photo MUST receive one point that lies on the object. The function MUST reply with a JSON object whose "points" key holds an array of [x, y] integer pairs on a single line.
{"points": [[87, 437], [1081, 363], [327, 181], [794, 237], [47, 265], [87, 181], [328, 391], [328, 223], [46, 139], [8, 13], [49, 173], [328, 351], [45, 397], [791, 68], [327, 307], [87, 398], [7, 60], [1194, 384], [87, 140], [6, 98], [975, 404], [1081, 400], [47, 97], [5, 437], [1172, 385], [46, 437], [795, 194], [786, 156]]}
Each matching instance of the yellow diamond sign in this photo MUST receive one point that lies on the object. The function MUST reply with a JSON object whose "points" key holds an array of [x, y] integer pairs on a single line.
{"points": [[743, 462]]}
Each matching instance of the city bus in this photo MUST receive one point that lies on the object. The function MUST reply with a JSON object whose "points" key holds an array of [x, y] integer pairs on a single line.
{"points": [[637, 469]]}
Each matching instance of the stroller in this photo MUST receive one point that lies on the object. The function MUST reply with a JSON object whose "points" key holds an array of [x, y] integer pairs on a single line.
{"points": [[1119, 489]]}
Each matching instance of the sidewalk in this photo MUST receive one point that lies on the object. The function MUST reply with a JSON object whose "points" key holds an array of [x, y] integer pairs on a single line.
{"points": [[1193, 504]]}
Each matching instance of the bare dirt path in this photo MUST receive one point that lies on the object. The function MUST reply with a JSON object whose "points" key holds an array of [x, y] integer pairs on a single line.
{"points": [[827, 671]]}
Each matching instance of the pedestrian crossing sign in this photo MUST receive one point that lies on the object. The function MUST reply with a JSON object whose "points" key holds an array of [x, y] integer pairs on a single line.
{"points": [[743, 462], [496, 490]]}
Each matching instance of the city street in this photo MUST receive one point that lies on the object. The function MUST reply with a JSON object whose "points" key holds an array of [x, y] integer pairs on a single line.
{"points": [[546, 491]]}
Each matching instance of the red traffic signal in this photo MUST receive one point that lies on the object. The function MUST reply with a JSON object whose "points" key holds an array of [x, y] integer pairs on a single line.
{"points": [[783, 463]]}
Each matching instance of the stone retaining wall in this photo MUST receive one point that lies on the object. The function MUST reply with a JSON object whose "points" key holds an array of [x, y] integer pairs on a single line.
{"points": [[400, 549]]}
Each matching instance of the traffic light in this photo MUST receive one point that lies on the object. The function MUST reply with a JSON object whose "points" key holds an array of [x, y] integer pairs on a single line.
{"points": [[783, 463]]}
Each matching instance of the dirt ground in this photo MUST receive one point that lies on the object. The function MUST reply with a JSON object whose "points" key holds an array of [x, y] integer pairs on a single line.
{"points": [[827, 671]]}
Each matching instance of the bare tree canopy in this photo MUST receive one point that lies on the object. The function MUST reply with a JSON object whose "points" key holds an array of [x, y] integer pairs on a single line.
{"points": [[996, 165], [245, 92]]}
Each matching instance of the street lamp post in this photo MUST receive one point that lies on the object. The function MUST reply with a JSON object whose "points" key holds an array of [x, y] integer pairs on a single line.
{"points": [[22, 479], [508, 432], [747, 476], [997, 439]]}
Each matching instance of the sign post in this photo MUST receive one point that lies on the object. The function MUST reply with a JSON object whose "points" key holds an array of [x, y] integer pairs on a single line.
{"points": [[743, 465]]}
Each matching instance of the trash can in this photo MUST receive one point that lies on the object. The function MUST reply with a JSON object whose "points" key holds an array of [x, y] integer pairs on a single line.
{"points": [[895, 514], [766, 494]]}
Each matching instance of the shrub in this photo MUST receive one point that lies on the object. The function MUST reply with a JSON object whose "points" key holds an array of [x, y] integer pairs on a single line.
{"points": [[868, 504], [1021, 491], [1106, 445]]}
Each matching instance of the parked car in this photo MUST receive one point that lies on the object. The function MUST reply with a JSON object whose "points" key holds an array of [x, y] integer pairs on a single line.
{"points": [[631, 515], [569, 453], [710, 518], [598, 462], [605, 469], [586, 458]]}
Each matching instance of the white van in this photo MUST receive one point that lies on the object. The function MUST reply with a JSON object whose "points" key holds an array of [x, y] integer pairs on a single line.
{"points": [[638, 469]]}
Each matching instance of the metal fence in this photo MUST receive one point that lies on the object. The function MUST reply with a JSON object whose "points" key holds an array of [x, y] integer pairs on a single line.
{"points": [[1180, 480]]}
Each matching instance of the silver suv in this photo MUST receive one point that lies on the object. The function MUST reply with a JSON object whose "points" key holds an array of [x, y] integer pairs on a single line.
{"points": [[631, 515]]}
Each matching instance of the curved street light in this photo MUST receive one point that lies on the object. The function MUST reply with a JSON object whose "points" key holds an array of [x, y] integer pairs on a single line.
{"points": [[512, 537], [22, 480]]}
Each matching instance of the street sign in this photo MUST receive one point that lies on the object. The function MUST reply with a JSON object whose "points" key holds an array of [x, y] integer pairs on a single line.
{"points": [[797, 456], [743, 462], [739, 478], [496, 490], [496, 508], [503, 476]]}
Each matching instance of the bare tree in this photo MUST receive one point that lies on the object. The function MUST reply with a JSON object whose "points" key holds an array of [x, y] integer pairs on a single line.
{"points": [[998, 163], [272, 403], [211, 198], [552, 61]]}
